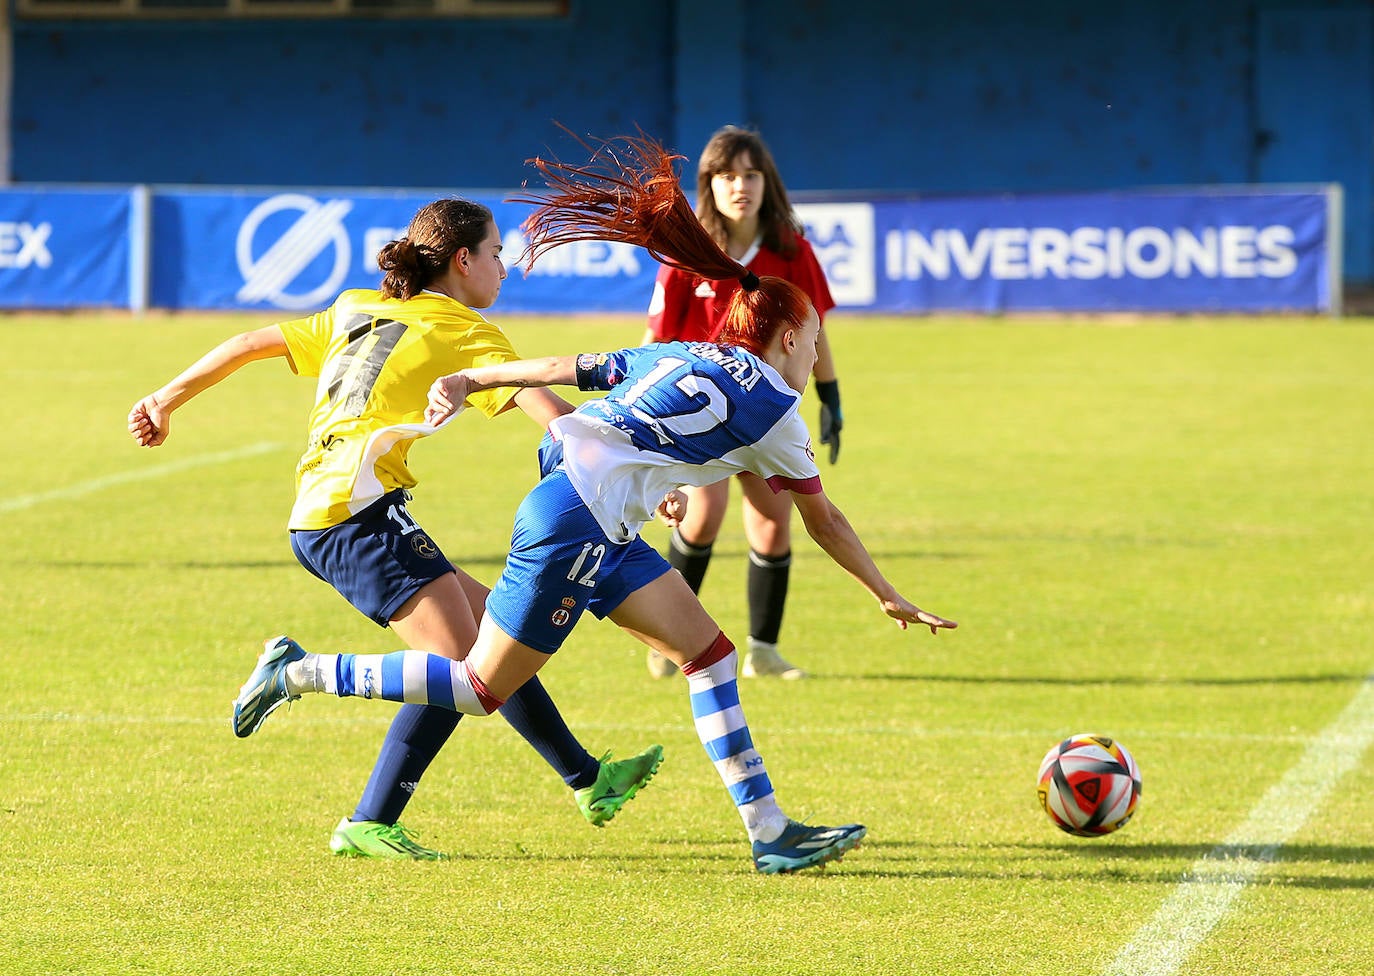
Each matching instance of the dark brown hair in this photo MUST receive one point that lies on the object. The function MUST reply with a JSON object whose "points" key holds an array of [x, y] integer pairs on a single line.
{"points": [[628, 192], [436, 233], [780, 225]]}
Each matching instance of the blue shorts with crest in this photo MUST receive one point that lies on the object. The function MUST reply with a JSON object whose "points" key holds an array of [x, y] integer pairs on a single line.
{"points": [[376, 560], [561, 564]]}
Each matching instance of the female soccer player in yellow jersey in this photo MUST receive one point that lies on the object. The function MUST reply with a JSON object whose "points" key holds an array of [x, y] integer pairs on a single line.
{"points": [[375, 354]]}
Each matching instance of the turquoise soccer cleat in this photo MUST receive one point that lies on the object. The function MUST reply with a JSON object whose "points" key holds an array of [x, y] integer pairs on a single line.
{"points": [[803, 846], [265, 690]]}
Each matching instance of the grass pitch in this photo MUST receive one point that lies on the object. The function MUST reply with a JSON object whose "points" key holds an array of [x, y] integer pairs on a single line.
{"points": [[1159, 531]]}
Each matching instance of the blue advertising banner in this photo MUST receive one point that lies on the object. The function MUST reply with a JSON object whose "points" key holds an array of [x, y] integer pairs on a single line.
{"points": [[1108, 252], [1195, 250], [296, 250], [65, 248], [1245, 249]]}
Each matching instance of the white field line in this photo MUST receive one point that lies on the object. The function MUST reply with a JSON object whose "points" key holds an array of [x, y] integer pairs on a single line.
{"points": [[1211, 885], [142, 474]]}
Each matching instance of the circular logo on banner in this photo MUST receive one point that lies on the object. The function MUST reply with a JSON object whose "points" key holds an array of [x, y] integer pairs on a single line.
{"points": [[270, 274]]}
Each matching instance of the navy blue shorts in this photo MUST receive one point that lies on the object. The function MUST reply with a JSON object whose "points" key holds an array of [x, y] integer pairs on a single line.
{"points": [[561, 564], [376, 560]]}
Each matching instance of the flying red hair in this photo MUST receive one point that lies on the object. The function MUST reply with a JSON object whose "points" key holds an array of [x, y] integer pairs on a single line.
{"points": [[629, 192]]}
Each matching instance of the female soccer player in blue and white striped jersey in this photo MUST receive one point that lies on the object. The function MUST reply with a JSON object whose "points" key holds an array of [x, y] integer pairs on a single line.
{"points": [[679, 413]]}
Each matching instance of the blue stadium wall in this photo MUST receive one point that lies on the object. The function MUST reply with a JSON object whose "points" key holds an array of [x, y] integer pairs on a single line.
{"points": [[863, 95]]}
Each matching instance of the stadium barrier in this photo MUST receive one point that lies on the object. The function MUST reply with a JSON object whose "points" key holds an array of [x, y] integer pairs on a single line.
{"points": [[1200, 249]]}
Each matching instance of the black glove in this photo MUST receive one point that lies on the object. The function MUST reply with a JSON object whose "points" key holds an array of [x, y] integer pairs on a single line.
{"points": [[832, 420]]}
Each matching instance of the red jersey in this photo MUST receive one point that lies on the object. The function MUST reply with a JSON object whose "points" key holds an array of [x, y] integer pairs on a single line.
{"points": [[691, 308]]}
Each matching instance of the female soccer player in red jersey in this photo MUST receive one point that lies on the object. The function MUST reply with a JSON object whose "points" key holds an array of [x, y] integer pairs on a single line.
{"points": [[743, 204], [375, 354]]}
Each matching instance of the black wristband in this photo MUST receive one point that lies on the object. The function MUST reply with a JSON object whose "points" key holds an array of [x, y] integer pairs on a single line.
{"points": [[829, 393]]}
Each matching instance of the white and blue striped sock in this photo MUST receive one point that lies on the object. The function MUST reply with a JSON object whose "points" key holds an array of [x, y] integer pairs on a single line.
{"points": [[414, 677], [724, 733]]}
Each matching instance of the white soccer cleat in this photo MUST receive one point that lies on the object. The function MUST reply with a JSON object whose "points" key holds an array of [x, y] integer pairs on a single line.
{"points": [[762, 660], [659, 666]]}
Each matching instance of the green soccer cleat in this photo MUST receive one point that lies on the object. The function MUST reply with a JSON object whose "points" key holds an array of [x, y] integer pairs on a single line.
{"points": [[616, 784], [370, 838], [803, 846], [265, 690]]}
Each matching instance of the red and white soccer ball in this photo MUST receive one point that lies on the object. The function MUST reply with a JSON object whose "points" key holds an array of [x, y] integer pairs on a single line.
{"points": [[1089, 785]]}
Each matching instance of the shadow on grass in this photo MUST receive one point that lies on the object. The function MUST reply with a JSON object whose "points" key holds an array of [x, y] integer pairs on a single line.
{"points": [[1290, 866], [1225, 681], [496, 560], [232, 565], [1160, 864]]}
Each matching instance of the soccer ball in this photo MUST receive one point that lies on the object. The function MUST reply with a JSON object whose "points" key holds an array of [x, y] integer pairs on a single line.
{"points": [[1089, 785]]}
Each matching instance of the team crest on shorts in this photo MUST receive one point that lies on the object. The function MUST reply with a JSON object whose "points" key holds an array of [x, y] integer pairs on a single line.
{"points": [[559, 618], [424, 547]]}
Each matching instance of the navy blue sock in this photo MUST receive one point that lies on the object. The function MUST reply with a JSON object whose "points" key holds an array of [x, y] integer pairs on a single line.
{"points": [[416, 735], [532, 713], [418, 732]]}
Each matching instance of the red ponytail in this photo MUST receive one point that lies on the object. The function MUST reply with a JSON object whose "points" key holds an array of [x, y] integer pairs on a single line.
{"points": [[628, 192]]}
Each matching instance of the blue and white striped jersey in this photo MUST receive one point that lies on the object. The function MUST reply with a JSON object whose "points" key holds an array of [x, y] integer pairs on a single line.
{"points": [[679, 413]]}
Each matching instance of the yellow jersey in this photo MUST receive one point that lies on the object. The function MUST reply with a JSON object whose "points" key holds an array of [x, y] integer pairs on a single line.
{"points": [[375, 359]]}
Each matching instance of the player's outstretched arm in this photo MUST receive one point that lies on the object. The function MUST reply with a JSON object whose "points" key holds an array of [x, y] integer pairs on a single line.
{"points": [[447, 393], [541, 405], [827, 525], [150, 417]]}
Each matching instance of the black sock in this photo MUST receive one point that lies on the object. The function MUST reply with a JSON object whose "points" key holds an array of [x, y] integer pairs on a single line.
{"points": [[689, 560], [767, 594]]}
